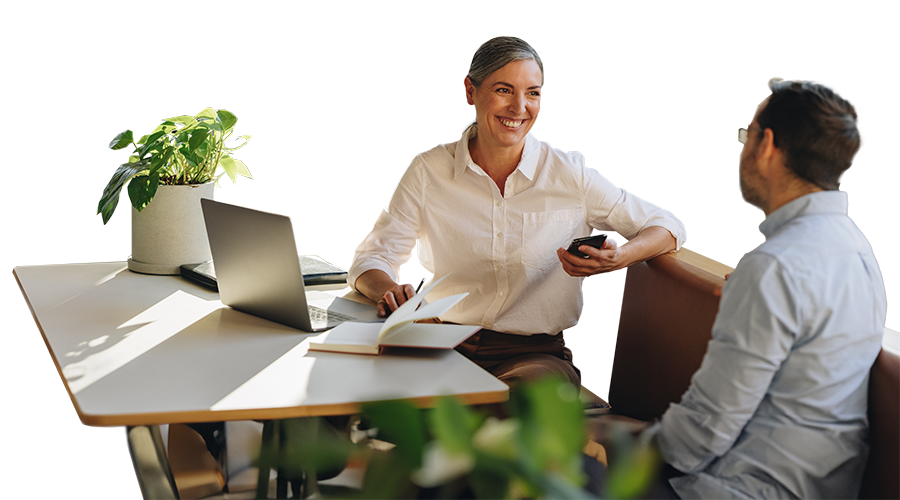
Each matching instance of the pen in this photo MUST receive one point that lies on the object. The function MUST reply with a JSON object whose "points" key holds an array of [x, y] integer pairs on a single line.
{"points": [[420, 285]]}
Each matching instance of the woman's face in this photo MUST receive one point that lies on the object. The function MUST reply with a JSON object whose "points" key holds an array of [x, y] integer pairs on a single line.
{"points": [[507, 103]]}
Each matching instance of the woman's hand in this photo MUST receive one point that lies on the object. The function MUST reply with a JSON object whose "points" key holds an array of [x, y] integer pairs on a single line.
{"points": [[394, 298], [600, 260], [378, 286], [649, 243]]}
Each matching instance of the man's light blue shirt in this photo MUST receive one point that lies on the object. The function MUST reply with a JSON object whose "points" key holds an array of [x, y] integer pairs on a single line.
{"points": [[778, 406]]}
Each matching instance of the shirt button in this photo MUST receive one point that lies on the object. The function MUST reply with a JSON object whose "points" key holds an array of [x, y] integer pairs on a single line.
{"points": [[499, 235], [499, 267], [501, 294], [499, 203], [488, 324]]}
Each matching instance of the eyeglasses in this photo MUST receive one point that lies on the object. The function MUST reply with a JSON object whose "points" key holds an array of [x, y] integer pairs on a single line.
{"points": [[742, 135]]}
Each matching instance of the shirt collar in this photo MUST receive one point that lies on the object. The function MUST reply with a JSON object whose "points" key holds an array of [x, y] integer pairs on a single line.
{"points": [[527, 164], [822, 202]]}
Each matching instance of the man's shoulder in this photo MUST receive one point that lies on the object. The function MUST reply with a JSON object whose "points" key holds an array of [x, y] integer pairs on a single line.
{"points": [[811, 260], [756, 264], [809, 241]]}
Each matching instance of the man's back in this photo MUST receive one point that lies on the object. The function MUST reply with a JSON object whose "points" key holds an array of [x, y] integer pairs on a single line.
{"points": [[778, 407]]}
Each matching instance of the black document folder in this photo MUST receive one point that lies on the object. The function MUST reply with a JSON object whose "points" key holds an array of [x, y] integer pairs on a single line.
{"points": [[315, 272]]}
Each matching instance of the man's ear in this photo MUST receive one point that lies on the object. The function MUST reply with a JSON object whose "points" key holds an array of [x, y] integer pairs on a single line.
{"points": [[767, 152]]}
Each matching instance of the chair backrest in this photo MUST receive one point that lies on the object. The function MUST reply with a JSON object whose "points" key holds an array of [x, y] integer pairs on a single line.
{"points": [[882, 476], [668, 308]]}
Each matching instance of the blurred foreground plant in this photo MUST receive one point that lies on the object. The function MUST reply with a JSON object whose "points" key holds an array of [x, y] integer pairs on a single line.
{"points": [[453, 450]]}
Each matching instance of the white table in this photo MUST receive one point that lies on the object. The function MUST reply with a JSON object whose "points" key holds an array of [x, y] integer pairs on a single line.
{"points": [[138, 350]]}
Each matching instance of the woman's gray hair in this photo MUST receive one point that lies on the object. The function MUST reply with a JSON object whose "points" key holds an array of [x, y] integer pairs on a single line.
{"points": [[497, 53]]}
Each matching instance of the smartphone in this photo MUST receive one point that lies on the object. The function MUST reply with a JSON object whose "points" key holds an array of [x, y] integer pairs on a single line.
{"points": [[595, 241]]}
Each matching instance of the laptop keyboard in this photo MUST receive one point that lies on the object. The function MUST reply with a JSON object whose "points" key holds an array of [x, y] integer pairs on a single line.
{"points": [[319, 315]]}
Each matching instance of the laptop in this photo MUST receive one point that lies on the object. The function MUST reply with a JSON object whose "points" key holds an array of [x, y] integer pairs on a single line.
{"points": [[258, 271]]}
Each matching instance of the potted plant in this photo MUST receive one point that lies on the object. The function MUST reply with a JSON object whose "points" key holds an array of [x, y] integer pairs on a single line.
{"points": [[175, 165]]}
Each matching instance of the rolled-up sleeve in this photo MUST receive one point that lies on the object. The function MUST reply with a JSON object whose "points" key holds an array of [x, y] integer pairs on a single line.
{"points": [[752, 336], [391, 242], [612, 209]]}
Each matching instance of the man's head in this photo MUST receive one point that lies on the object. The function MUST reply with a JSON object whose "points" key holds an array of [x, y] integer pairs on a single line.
{"points": [[807, 129]]}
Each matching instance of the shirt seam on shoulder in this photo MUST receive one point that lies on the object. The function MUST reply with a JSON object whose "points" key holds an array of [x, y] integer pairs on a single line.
{"points": [[792, 282]]}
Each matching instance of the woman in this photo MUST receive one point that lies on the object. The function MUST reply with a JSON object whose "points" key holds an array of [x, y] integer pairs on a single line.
{"points": [[493, 211]]}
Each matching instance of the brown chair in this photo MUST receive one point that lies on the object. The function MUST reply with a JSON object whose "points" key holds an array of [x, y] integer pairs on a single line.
{"points": [[882, 476], [668, 308]]}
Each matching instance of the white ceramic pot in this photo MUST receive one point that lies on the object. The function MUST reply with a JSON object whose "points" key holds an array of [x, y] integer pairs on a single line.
{"points": [[170, 230]]}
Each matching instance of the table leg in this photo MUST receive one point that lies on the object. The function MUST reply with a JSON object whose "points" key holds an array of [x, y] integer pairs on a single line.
{"points": [[277, 452], [151, 464], [281, 482], [311, 488]]}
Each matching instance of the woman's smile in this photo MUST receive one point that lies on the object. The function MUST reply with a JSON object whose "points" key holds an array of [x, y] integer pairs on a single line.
{"points": [[511, 123]]}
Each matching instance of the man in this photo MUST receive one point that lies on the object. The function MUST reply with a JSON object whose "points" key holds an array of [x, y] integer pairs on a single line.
{"points": [[778, 406]]}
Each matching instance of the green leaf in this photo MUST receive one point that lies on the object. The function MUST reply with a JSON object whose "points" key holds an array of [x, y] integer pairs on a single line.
{"points": [[631, 475], [227, 118], [182, 137], [553, 432], [110, 197], [229, 165], [197, 137], [155, 136], [487, 485], [453, 425], [160, 160], [401, 423], [246, 139], [242, 169], [490, 479], [233, 167], [387, 476], [206, 113], [183, 119], [555, 486], [195, 160], [189, 156], [142, 189], [122, 140], [498, 438], [151, 143], [205, 151]]}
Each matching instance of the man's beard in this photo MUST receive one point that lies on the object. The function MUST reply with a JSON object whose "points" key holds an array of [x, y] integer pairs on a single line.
{"points": [[751, 181]]}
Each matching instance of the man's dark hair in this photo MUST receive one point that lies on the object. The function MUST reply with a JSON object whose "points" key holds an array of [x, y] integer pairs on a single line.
{"points": [[814, 128]]}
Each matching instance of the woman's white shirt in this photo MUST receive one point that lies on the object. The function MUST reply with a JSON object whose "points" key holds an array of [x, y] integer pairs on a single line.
{"points": [[502, 248]]}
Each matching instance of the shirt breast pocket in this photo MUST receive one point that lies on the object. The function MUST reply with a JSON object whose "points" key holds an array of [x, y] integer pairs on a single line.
{"points": [[543, 233]]}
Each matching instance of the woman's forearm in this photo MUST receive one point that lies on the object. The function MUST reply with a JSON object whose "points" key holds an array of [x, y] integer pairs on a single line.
{"points": [[374, 283], [650, 242]]}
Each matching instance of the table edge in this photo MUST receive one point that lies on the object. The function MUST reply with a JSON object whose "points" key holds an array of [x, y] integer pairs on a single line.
{"points": [[185, 417]]}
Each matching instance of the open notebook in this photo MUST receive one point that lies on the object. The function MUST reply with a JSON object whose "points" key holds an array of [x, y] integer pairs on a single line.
{"points": [[399, 329]]}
